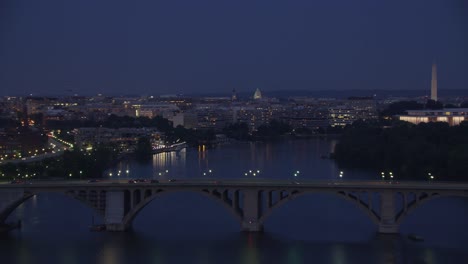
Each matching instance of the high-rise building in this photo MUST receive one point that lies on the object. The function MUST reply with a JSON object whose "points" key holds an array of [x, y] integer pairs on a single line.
{"points": [[434, 82]]}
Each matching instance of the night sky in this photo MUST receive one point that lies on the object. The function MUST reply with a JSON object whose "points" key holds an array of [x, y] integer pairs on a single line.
{"points": [[202, 46]]}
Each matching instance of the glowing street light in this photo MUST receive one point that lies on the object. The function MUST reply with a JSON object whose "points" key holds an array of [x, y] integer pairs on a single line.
{"points": [[341, 174], [430, 176]]}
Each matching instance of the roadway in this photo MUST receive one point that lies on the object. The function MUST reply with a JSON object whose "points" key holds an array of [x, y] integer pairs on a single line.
{"points": [[259, 183], [57, 149]]}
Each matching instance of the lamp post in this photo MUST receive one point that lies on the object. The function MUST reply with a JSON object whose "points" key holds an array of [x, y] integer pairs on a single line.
{"points": [[431, 177]]}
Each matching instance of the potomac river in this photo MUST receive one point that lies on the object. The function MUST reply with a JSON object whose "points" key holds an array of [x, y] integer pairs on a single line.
{"points": [[191, 228]]}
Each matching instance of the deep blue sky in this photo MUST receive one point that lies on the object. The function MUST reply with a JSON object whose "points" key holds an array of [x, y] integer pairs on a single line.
{"points": [[186, 46]]}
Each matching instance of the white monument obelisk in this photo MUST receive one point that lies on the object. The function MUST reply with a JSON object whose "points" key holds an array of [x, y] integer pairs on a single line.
{"points": [[434, 82]]}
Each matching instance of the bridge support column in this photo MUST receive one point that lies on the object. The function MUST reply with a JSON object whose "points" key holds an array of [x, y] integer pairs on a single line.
{"points": [[387, 223], [251, 209], [9, 199], [115, 213]]}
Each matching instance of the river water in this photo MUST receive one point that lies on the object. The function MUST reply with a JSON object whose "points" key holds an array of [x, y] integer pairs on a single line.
{"points": [[191, 228]]}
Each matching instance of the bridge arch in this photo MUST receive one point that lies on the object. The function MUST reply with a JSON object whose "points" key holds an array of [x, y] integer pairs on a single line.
{"points": [[371, 214], [72, 196], [87, 198], [13, 205], [424, 198], [213, 194], [321, 215]]}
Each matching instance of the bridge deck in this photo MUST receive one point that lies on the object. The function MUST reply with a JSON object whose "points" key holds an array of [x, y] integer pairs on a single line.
{"points": [[243, 183]]}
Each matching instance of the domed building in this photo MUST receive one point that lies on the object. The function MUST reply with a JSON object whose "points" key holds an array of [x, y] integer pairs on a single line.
{"points": [[257, 95]]}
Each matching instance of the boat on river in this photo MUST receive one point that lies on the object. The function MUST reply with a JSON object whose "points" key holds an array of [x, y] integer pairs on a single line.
{"points": [[415, 237], [169, 148]]}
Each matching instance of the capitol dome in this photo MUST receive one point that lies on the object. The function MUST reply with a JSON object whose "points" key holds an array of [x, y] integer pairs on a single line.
{"points": [[257, 94]]}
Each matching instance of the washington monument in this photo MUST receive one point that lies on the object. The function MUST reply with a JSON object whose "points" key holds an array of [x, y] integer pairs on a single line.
{"points": [[434, 82]]}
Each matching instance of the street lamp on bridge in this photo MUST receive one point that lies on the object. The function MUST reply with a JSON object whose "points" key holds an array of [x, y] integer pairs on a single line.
{"points": [[390, 175], [431, 177]]}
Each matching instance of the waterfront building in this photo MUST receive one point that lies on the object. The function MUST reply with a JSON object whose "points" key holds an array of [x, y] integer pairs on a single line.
{"points": [[453, 116], [124, 138]]}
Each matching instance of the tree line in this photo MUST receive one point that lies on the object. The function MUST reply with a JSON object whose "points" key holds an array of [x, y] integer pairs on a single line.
{"points": [[409, 151]]}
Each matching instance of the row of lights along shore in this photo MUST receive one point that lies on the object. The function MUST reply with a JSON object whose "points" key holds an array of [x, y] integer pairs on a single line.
{"points": [[119, 172]]}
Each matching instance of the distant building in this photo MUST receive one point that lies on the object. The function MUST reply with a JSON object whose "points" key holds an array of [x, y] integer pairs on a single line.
{"points": [[234, 95], [124, 138], [341, 116], [453, 116], [187, 120], [155, 109], [352, 109], [257, 95]]}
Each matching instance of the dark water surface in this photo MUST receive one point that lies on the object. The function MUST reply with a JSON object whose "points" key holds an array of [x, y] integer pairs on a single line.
{"points": [[191, 228]]}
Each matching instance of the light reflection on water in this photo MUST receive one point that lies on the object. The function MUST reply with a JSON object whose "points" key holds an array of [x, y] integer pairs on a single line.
{"points": [[273, 159], [190, 228]]}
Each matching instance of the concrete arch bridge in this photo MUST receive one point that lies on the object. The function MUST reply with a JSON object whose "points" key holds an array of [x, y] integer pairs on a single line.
{"points": [[250, 202]]}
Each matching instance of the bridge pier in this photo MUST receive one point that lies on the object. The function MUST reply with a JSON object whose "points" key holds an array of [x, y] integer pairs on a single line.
{"points": [[116, 227], [251, 212], [388, 224], [115, 211], [252, 226]]}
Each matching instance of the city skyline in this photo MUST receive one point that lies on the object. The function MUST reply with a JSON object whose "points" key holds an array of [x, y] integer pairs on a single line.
{"points": [[208, 47]]}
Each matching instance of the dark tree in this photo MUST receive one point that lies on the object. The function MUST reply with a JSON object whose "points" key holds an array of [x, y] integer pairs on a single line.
{"points": [[410, 151], [238, 131], [464, 104], [434, 105], [143, 150], [399, 108], [450, 106]]}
